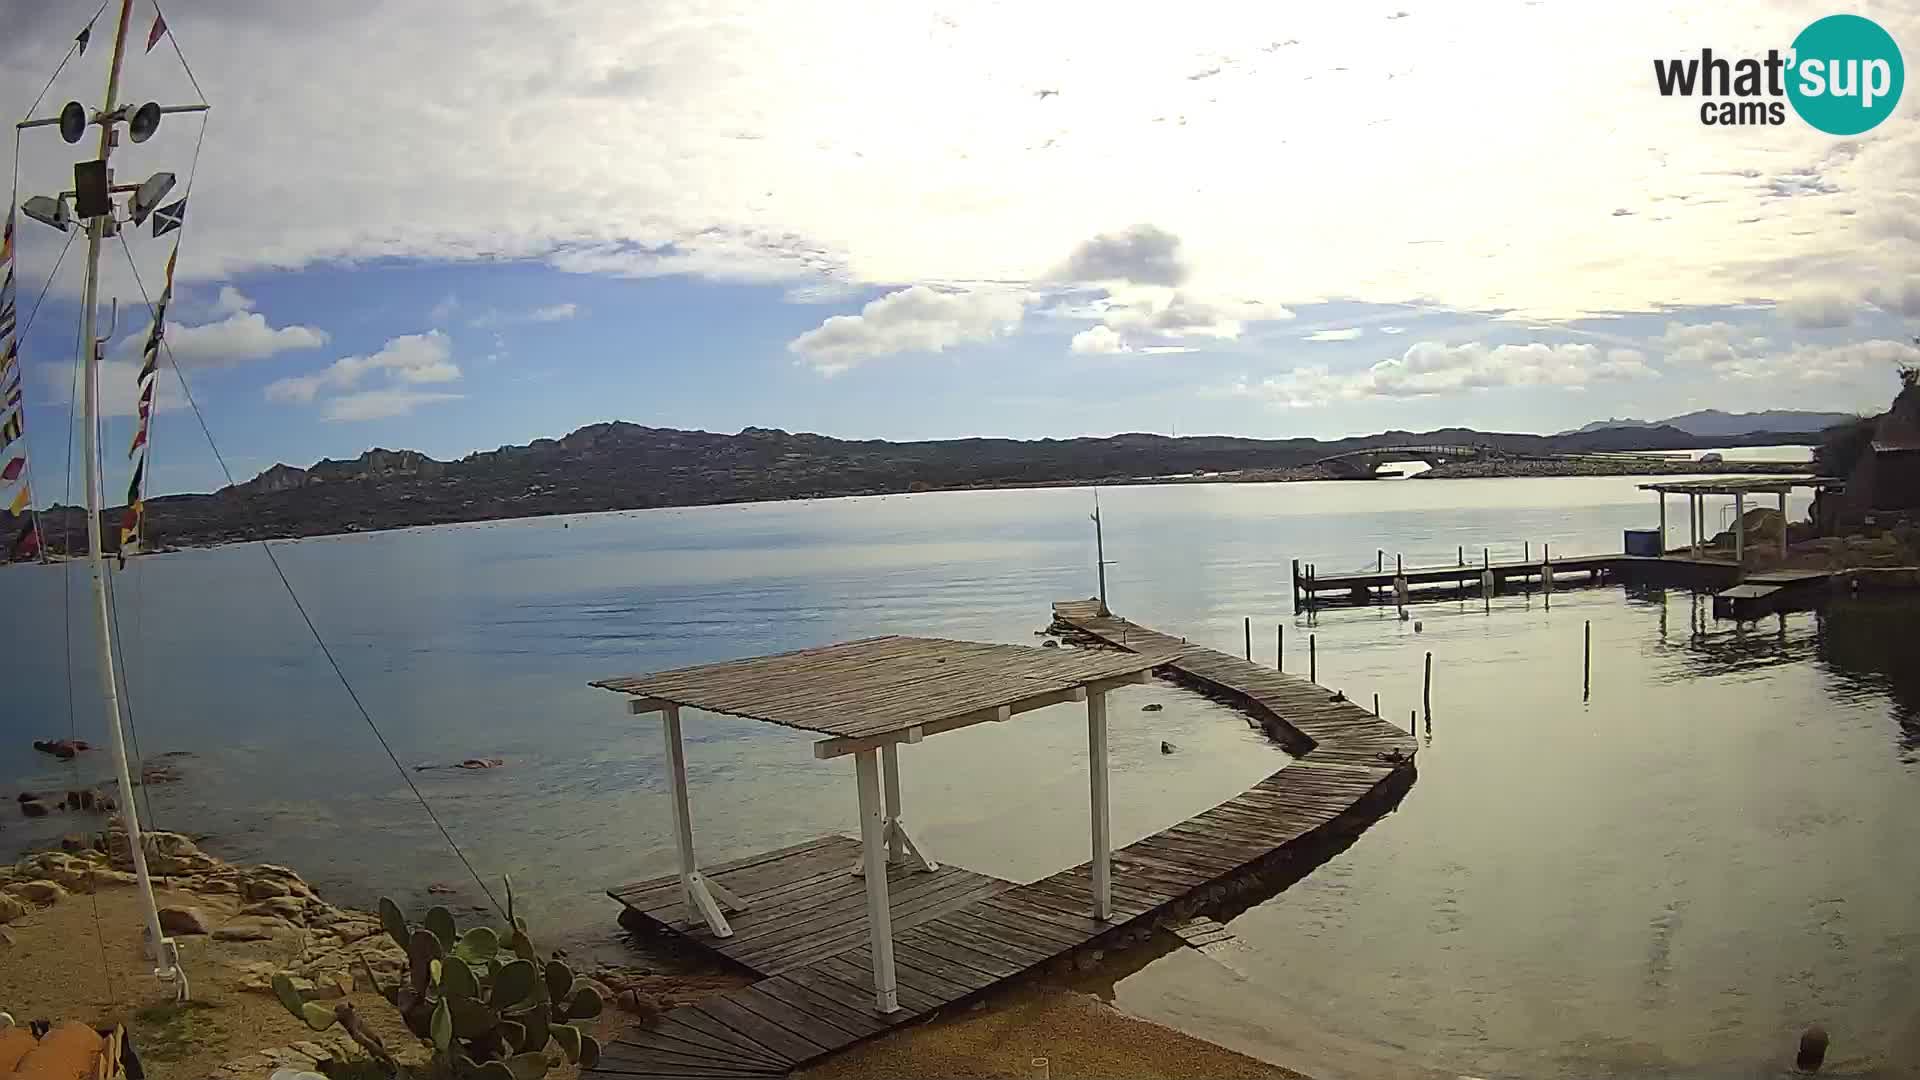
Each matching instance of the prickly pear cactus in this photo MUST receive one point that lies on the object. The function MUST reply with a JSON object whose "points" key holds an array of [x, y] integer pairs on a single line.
{"points": [[482, 997]]}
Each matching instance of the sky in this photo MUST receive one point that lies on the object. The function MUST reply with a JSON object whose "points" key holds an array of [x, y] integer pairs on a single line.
{"points": [[451, 227]]}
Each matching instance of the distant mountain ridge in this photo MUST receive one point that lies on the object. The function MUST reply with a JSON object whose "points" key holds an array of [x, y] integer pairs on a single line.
{"points": [[1712, 423], [623, 466]]}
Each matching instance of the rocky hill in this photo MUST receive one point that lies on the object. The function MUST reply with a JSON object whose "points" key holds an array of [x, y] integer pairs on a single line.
{"points": [[1712, 423], [617, 466]]}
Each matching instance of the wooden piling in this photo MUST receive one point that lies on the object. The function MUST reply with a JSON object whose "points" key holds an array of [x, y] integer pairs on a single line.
{"points": [[1379, 559], [1460, 555], [1376, 703], [1426, 689], [1413, 721], [1586, 664], [1280, 646], [1313, 659], [1249, 628]]}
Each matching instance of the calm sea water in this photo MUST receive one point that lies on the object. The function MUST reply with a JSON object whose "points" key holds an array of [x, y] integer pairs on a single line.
{"points": [[1668, 879]]}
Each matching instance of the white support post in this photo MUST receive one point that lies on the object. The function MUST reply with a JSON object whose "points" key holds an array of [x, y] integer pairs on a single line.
{"points": [[1097, 775], [1739, 529], [702, 905], [873, 855], [1662, 496], [901, 850], [1783, 524], [890, 765]]}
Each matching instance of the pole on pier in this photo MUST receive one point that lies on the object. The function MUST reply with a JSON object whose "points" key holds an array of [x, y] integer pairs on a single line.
{"points": [[1313, 659], [1460, 555], [1413, 722], [1100, 553], [1526, 551], [1379, 560], [1249, 629], [1586, 663], [1376, 703], [1397, 569], [1740, 530], [1296, 586], [1783, 524], [1279, 646], [1662, 496]]}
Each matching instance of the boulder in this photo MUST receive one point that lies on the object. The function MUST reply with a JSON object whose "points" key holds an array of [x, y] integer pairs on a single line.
{"points": [[36, 892], [184, 920], [75, 842], [263, 888], [12, 908], [290, 908], [33, 808], [253, 928]]}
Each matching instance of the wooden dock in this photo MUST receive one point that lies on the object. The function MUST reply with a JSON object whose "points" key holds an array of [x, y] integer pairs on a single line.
{"points": [[1311, 588], [960, 933]]}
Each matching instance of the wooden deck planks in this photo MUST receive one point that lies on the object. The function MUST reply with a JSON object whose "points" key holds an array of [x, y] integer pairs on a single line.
{"points": [[957, 933]]}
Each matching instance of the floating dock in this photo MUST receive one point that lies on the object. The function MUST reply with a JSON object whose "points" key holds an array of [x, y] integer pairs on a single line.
{"points": [[803, 925]]}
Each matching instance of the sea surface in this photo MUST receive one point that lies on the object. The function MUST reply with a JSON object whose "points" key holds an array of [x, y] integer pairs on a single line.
{"points": [[1669, 877]]}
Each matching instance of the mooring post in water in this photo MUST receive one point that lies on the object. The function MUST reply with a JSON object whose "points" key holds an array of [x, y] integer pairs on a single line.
{"points": [[1296, 586], [1249, 628], [1313, 660], [1376, 703], [1526, 551], [1279, 646], [1460, 555], [1426, 690], [1379, 559], [1586, 663], [1413, 721]]}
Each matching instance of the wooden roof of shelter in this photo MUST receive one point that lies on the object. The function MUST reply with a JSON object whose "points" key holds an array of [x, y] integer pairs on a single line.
{"points": [[1744, 485], [883, 688]]}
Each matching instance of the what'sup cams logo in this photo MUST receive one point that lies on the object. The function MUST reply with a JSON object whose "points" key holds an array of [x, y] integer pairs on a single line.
{"points": [[1843, 75]]}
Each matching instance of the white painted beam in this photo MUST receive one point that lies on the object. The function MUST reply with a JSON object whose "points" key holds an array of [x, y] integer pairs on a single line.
{"points": [[843, 745]]}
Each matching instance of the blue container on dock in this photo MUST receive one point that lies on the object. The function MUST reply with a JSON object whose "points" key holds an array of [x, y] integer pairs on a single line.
{"points": [[1643, 542]]}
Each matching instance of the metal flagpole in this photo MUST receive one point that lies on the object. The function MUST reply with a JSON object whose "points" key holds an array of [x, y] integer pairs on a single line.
{"points": [[159, 947]]}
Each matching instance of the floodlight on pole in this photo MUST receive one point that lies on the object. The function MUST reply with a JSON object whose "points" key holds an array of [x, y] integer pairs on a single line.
{"points": [[73, 121], [48, 210], [148, 195]]}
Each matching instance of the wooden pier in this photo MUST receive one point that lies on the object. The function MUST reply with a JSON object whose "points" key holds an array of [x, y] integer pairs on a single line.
{"points": [[802, 926], [1312, 589]]}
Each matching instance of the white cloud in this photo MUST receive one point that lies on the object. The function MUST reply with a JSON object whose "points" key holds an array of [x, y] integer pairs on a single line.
{"points": [[380, 404], [1140, 255], [119, 392], [232, 301], [1900, 298], [494, 318], [1431, 369], [403, 362], [240, 337], [768, 156], [1729, 352], [915, 319], [1820, 310], [1098, 340], [1343, 334]]}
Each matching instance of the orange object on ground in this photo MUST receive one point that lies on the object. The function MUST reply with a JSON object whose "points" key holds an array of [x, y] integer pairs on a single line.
{"points": [[71, 1051], [14, 1044]]}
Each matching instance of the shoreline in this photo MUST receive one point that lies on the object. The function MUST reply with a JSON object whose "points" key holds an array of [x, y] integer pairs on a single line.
{"points": [[239, 927], [1500, 469]]}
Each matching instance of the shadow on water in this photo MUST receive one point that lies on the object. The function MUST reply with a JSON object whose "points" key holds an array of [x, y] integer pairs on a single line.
{"points": [[1227, 899], [1868, 646]]}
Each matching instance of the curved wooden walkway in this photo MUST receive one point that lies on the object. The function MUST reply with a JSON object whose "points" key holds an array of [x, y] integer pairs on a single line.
{"points": [[819, 998]]}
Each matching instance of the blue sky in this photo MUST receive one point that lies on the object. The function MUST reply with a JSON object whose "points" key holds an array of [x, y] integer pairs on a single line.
{"points": [[503, 222]]}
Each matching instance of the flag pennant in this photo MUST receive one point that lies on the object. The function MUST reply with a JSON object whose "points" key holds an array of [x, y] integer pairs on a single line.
{"points": [[86, 35], [10, 430], [22, 500], [27, 543], [6, 239], [168, 218], [12, 471], [8, 356], [159, 29]]}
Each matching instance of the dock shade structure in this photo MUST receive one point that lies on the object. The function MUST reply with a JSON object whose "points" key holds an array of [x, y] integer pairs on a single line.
{"points": [[1696, 492], [868, 697]]}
